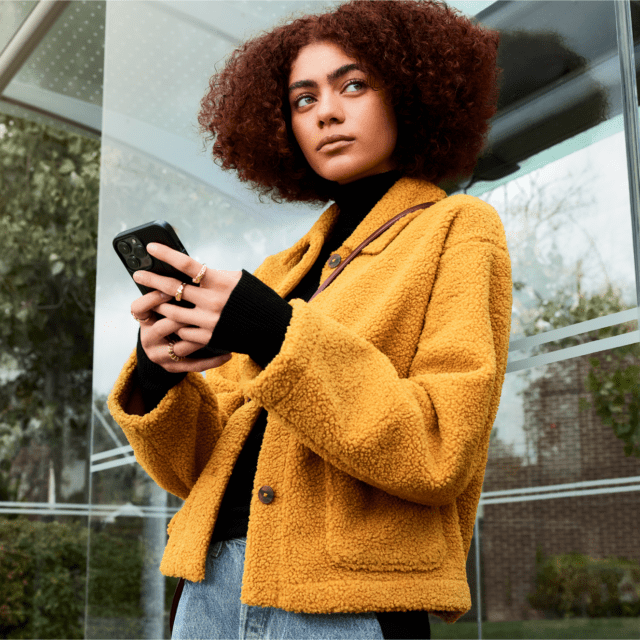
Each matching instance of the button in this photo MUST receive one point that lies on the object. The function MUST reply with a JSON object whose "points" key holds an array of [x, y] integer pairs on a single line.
{"points": [[334, 260], [265, 494]]}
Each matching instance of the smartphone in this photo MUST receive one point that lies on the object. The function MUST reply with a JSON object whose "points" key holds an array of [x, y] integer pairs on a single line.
{"points": [[131, 247]]}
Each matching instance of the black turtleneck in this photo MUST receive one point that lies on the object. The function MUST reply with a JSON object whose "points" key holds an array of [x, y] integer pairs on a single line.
{"points": [[254, 321]]}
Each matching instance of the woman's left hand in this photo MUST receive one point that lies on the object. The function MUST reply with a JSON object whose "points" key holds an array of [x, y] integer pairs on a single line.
{"points": [[209, 298]]}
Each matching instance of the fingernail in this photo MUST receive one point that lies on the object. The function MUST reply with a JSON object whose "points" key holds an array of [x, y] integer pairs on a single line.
{"points": [[165, 295], [151, 247]]}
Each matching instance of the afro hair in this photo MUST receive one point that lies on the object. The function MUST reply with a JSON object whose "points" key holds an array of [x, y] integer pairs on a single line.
{"points": [[437, 68]]}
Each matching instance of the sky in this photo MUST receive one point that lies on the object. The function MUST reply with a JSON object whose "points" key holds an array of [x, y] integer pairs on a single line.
{"points": [[470, 7]]}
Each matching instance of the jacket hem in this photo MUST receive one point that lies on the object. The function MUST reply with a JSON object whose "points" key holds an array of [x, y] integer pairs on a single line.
{"points": [[446, 599]]}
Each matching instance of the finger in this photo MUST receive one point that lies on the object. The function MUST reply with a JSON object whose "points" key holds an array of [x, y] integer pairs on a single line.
{"points": [[159, 283], [189, 317], [163, 328], [180, 261], [143, 305], [188, 364], [185, 348], [196, 364], [195, 334]]}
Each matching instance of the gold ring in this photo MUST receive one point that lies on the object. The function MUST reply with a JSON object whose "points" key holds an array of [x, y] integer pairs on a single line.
{"points": [[200, 275], [172, 355], [178, 295], [141, 320]]}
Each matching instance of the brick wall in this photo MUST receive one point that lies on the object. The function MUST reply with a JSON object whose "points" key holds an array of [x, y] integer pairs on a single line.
{"points": [[570, 446]]}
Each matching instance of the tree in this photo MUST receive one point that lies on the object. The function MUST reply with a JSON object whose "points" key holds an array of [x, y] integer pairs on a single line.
{"points": [[49, 184], [614, 378], [548, 294]]}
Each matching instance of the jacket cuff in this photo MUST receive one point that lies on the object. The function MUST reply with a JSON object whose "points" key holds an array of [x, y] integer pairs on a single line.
{"points": [[253, 321]]}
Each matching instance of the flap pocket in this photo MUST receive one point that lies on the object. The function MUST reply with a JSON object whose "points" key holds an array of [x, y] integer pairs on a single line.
{"points": [[368, 528]]}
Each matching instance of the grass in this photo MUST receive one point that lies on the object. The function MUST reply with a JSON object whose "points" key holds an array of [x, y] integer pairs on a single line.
{"points": [[579, 628]]}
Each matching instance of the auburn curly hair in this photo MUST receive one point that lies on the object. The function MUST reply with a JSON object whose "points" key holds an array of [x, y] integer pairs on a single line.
{"points": [[437, 68]]}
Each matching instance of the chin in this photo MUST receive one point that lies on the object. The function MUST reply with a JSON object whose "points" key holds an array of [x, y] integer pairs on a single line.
{"points": [[339, 175]]}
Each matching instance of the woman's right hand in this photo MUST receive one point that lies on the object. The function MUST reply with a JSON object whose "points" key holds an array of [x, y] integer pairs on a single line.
{"points": [[154, 332]]}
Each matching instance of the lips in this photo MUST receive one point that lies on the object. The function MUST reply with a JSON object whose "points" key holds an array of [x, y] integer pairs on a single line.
{"points": [[334, 138]]}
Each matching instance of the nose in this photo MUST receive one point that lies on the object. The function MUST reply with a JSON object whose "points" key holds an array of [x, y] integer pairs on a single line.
{"points": [[329, 108]]}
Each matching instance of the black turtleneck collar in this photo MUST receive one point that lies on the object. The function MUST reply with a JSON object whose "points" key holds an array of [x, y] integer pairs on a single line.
{"points": [[355, 199]]}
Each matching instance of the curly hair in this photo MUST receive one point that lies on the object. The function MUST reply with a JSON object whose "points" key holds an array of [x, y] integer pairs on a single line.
{"points": [[437, 68]]}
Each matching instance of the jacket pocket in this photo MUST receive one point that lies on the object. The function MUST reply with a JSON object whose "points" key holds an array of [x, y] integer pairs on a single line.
{"points": [[367, 528]]}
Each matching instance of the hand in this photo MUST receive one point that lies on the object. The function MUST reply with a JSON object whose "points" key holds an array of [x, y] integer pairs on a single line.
{"points": [[194, 326]]}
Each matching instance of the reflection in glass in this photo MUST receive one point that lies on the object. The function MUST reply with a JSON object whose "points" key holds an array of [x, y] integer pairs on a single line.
{"points": [[560, 497], [48, 236], [555, 170]]}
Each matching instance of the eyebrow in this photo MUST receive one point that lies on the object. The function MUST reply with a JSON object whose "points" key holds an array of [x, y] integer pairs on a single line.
{"points": [[334, 75]]}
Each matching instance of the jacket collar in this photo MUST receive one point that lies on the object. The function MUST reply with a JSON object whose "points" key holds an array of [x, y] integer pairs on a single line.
{"points": [[405, 193]]}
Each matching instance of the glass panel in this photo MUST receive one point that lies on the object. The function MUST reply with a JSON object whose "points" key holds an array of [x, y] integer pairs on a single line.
{"points": [[556, 148], [159, 57], [560, 89], [63, 76], [49, 183], [559, 508]]}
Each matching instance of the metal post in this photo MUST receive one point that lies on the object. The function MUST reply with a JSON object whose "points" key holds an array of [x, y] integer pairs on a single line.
{"points": [[631, 129], [476, 535], [153, 582]]}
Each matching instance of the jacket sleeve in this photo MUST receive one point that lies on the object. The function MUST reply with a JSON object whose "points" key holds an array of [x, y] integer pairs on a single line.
{"points": [[416, 437], [173, 442]]}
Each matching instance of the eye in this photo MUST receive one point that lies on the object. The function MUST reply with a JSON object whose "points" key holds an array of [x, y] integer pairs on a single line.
{"points": [[296, 102]]}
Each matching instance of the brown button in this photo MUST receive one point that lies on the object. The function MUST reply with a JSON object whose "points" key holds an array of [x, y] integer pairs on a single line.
{"points": [[265, 494], [335, 260]]}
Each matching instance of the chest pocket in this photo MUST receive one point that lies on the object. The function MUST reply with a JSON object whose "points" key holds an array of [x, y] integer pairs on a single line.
{"points": [[367, 528]]}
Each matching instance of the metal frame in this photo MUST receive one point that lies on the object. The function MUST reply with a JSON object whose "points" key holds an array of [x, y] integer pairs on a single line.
{"points": [[631, 129], [28, 37]]}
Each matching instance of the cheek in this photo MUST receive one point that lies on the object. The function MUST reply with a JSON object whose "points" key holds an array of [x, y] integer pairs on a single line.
{"points": [[301, 137]]}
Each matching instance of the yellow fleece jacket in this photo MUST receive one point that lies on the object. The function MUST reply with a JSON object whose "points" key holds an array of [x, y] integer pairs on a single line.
{"points": [[380, 406]]}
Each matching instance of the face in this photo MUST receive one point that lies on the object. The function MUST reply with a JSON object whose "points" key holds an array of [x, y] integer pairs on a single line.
{"points": [[329, 104]]}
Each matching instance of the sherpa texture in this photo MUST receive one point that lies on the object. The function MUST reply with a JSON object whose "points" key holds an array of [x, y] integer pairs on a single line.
{"points": [[380, 406]]}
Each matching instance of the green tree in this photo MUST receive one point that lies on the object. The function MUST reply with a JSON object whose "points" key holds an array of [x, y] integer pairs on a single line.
{"points": [[614, 378], [49, 183], [548, 292]]}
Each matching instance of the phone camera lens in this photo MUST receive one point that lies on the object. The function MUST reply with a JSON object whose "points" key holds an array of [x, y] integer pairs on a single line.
{"points": [[139, 252], [133, 263], [124, 248]]}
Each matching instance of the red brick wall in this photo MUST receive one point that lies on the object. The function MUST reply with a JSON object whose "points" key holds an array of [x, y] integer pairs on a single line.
{"points": [[571, 446]]}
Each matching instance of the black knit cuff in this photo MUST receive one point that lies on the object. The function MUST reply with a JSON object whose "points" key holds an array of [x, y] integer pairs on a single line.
{"points": [[154, 381], [254, 321]]}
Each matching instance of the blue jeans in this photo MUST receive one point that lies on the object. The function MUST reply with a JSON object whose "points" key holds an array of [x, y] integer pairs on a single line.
{"points": [[212, 608]]}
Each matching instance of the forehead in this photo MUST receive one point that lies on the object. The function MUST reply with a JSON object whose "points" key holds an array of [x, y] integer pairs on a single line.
{"points": [[317, 59]]}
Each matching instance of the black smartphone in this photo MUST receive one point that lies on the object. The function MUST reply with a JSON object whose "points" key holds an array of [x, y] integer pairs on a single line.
{"points": [[131, 247]]}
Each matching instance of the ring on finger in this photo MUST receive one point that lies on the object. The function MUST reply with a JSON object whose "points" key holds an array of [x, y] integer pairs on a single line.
{"points": [[141, 320], [178, 294], [200, 275], [172, 355]]}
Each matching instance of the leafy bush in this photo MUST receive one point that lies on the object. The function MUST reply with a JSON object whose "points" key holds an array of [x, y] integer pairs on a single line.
{"points": [[115, 575], [43, 567], [574, 584]]}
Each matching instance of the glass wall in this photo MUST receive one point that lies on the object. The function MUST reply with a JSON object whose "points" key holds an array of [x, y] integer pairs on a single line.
{"points": [[159, 58], [559, 511], [49, 184], [560, 503]]}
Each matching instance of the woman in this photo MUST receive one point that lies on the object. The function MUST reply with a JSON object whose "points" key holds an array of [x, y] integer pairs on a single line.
{"points": [[332, 468]]}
